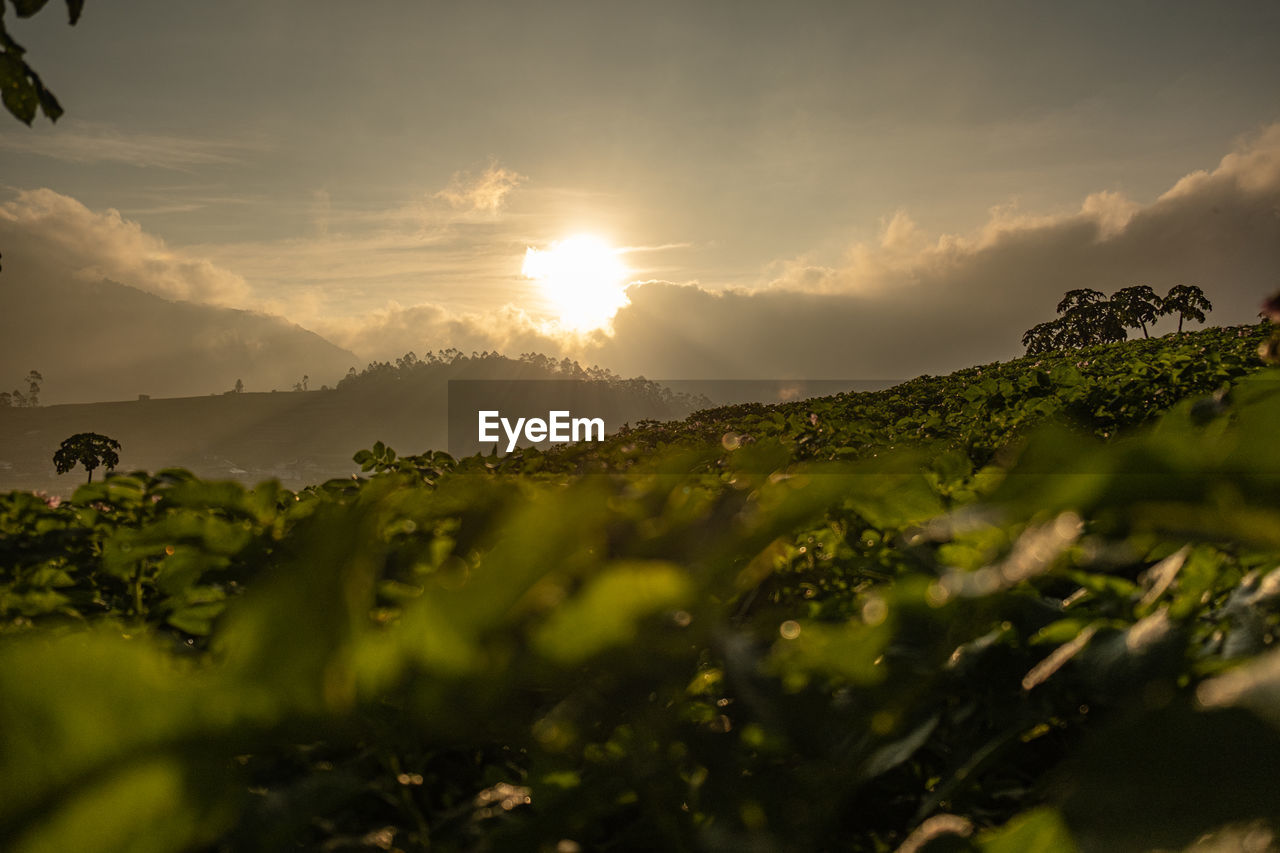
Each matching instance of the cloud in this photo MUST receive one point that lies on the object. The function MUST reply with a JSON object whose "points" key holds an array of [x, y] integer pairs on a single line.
{"points": [[485, 193], [907, 304], [49, 236], [395, 330], [90, 142]]}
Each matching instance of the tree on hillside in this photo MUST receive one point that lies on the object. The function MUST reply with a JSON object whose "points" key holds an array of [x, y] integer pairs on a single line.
{"points": [[1188, 302], [33, 387], [1089, 318], [239, 387], [88, 449], [1137, 306], [30, 399], [1044, 337]]}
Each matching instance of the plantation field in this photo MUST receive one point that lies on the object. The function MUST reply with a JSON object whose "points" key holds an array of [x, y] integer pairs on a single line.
{"points": [[1026, 607]]}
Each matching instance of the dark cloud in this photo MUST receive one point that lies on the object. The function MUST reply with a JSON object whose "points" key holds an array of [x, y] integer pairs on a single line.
{"points": [[904, 306]]}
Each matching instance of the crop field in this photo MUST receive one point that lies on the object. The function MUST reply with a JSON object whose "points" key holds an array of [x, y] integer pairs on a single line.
{"points": [[1027, 606]]}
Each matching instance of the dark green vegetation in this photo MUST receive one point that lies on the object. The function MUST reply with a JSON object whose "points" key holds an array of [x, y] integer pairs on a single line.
{"points": [[952, 610], [1089, 317], [21, 88], [89, 451]]}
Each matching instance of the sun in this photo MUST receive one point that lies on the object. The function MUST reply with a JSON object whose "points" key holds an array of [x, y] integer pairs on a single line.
{"points": [[582, 277]]}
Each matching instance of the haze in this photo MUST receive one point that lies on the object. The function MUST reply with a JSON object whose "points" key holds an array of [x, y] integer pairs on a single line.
{"points": [[807, 190]]}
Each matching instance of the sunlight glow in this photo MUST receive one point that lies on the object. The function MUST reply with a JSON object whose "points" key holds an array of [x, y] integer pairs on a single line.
{"points": [[582, 277]]}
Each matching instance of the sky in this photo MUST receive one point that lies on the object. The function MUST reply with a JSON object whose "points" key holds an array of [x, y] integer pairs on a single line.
{"points": [[808, 189]]}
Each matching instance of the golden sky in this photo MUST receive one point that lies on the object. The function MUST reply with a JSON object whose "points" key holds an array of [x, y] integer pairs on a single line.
{"points": [[386, 173]]}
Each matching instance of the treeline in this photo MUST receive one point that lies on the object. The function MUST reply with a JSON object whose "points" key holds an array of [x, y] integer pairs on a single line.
{"points": [[1088, 317], [452, 363], [31, 399]]}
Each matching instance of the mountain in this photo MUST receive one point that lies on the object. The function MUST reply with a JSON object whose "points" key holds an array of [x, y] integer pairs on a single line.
{"points": [[108, 341]]}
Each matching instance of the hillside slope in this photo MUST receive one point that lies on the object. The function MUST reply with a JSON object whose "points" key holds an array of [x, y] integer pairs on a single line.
{"points": [[1099, 390], [108, 341]]}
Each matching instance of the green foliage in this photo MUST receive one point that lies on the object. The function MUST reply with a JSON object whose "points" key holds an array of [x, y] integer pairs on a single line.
{"points": [[953, 615], [21, 88]]}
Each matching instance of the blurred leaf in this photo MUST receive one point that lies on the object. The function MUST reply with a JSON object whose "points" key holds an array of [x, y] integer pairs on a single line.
{"points": [[607, 611], [1038, 831]]}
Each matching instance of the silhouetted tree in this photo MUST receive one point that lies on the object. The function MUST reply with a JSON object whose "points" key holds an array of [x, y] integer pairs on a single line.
{"points": [[1088, 318], [239, 389], [1137, 306], [88, 449], [1044, 337], [33, 387], [27, 400], [1188, 302]]}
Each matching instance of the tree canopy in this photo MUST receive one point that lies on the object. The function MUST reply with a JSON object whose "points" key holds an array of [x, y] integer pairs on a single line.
{"points": [[1088, 317], [88, 449]]}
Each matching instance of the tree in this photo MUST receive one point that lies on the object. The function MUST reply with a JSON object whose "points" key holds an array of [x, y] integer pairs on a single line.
{"points": [[1188, 302], [239, 389], [1044, 337], [23, 91], [33, 387], [1088, 318], [1137, 306], [88, 449]]}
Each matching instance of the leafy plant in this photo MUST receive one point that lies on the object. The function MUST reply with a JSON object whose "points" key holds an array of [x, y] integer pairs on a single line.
{"points": [[1028, 606]]}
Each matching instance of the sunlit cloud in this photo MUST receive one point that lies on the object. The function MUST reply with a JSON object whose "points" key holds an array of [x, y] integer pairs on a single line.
{"points": [[483, 193], [910, 303]]}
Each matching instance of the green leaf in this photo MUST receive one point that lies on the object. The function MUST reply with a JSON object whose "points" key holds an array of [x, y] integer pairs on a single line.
{"points": [[17, 90], [608, 611], [1038, 831]]}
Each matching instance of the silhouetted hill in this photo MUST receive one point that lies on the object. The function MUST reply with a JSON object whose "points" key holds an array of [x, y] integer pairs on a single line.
{"points": [[306, 438], [108, 341]]}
